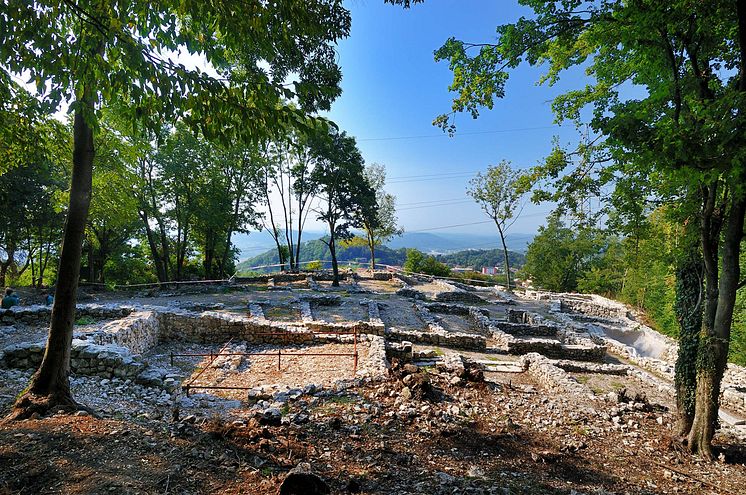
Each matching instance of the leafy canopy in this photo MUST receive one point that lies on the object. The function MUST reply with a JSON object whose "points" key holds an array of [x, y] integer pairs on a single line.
{"points": [[263, 54]]}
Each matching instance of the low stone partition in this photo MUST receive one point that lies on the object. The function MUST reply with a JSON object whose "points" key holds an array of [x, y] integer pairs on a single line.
{"points": [[456, 340], [374, 313], [550, 376], [594, 306], [451, 293], [306, 315], [403, 351], [454, 309], [376, 366], [586, 367], [39, 315], [408, 291], [138, 332], [526, 329], [86, 358]]}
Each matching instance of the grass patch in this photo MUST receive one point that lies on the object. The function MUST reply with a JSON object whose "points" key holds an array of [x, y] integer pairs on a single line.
{"points": [[85, 320], [281, 312]]}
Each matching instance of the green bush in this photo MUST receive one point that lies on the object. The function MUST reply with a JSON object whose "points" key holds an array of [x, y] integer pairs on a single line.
{"points": [[418, 262], [314, 266]]}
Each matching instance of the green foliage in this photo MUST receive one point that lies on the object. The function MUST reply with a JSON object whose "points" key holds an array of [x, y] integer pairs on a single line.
{"points": [[84, 320], [355, 248], [418, 262], [480, 258], [379, 220], [559, 255], [314, 266]]}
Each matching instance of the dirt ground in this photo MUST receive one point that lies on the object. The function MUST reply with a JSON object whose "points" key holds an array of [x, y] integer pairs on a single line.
{"points": [[473, 439], [421, 431], [299, 366]]}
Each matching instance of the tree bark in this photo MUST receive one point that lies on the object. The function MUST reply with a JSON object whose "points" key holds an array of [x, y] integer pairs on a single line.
{"points": [[50, 386], [157, 261], [505, 253], [715, 339], [333, 252]]}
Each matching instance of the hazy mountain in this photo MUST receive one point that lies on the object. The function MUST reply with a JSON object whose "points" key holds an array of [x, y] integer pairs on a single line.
{"points": [[449, 243], [256, 243]]}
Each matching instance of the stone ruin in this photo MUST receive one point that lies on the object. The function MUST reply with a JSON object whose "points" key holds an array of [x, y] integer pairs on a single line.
{"points": [[545, 335]]}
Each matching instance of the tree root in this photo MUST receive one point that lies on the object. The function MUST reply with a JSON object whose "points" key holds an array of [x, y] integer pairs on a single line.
{"points": [[32, 406]]}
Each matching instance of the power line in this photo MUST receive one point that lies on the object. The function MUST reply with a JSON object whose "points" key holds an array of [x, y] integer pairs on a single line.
{"points": [[432, 201], [448, 226], [456, 176], [434, 205], [475, 133], [432, 175]]}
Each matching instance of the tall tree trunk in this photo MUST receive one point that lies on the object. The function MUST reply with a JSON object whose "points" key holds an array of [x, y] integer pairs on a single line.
{"points": [[50, 386], [157, 261], [715, 338], [688, 308], [333, 252], [505, 253]]}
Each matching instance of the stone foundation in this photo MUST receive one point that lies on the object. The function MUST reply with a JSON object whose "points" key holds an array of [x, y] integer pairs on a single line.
{"points": [[86, 358], [550, 376], [39, 315]]}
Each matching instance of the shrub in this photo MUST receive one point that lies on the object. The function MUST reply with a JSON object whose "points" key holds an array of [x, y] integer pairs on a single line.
{"points": [[313, 266], [418, 262]]}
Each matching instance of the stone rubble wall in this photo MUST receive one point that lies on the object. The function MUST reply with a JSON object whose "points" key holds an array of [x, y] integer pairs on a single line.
{"points": [[86, 358], [374, 313], [376, 365], [451, 293], [550, 376], [306, 315], [586, 367], [407, 291], [403, 351], [454, 309], [456, 340], [526, 329], [138, 332], [39, 315]]}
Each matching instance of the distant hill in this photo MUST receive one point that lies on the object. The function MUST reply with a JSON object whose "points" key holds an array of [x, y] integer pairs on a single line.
{"points": [[317, 250], [478, 258], [443, 243], [256, 243]]}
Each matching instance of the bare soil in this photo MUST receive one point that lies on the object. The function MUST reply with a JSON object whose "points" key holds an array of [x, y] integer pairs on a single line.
{"points": [[482, 438]]}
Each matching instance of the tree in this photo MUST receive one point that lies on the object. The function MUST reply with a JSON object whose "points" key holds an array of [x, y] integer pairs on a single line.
{"points": [[109, 52], [418, 262], [341, 188], [689, 61], [558, 255], [379, 223], [498, 193]]}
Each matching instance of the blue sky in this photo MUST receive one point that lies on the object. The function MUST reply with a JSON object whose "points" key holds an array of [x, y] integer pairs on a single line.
{"points": [[393, 88]]}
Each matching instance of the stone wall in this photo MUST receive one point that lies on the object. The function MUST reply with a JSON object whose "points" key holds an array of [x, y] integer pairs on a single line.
{"points": [[138, 332], [550, 376], [375, 366], [86, 358], [39, 315], [451, 293]]}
